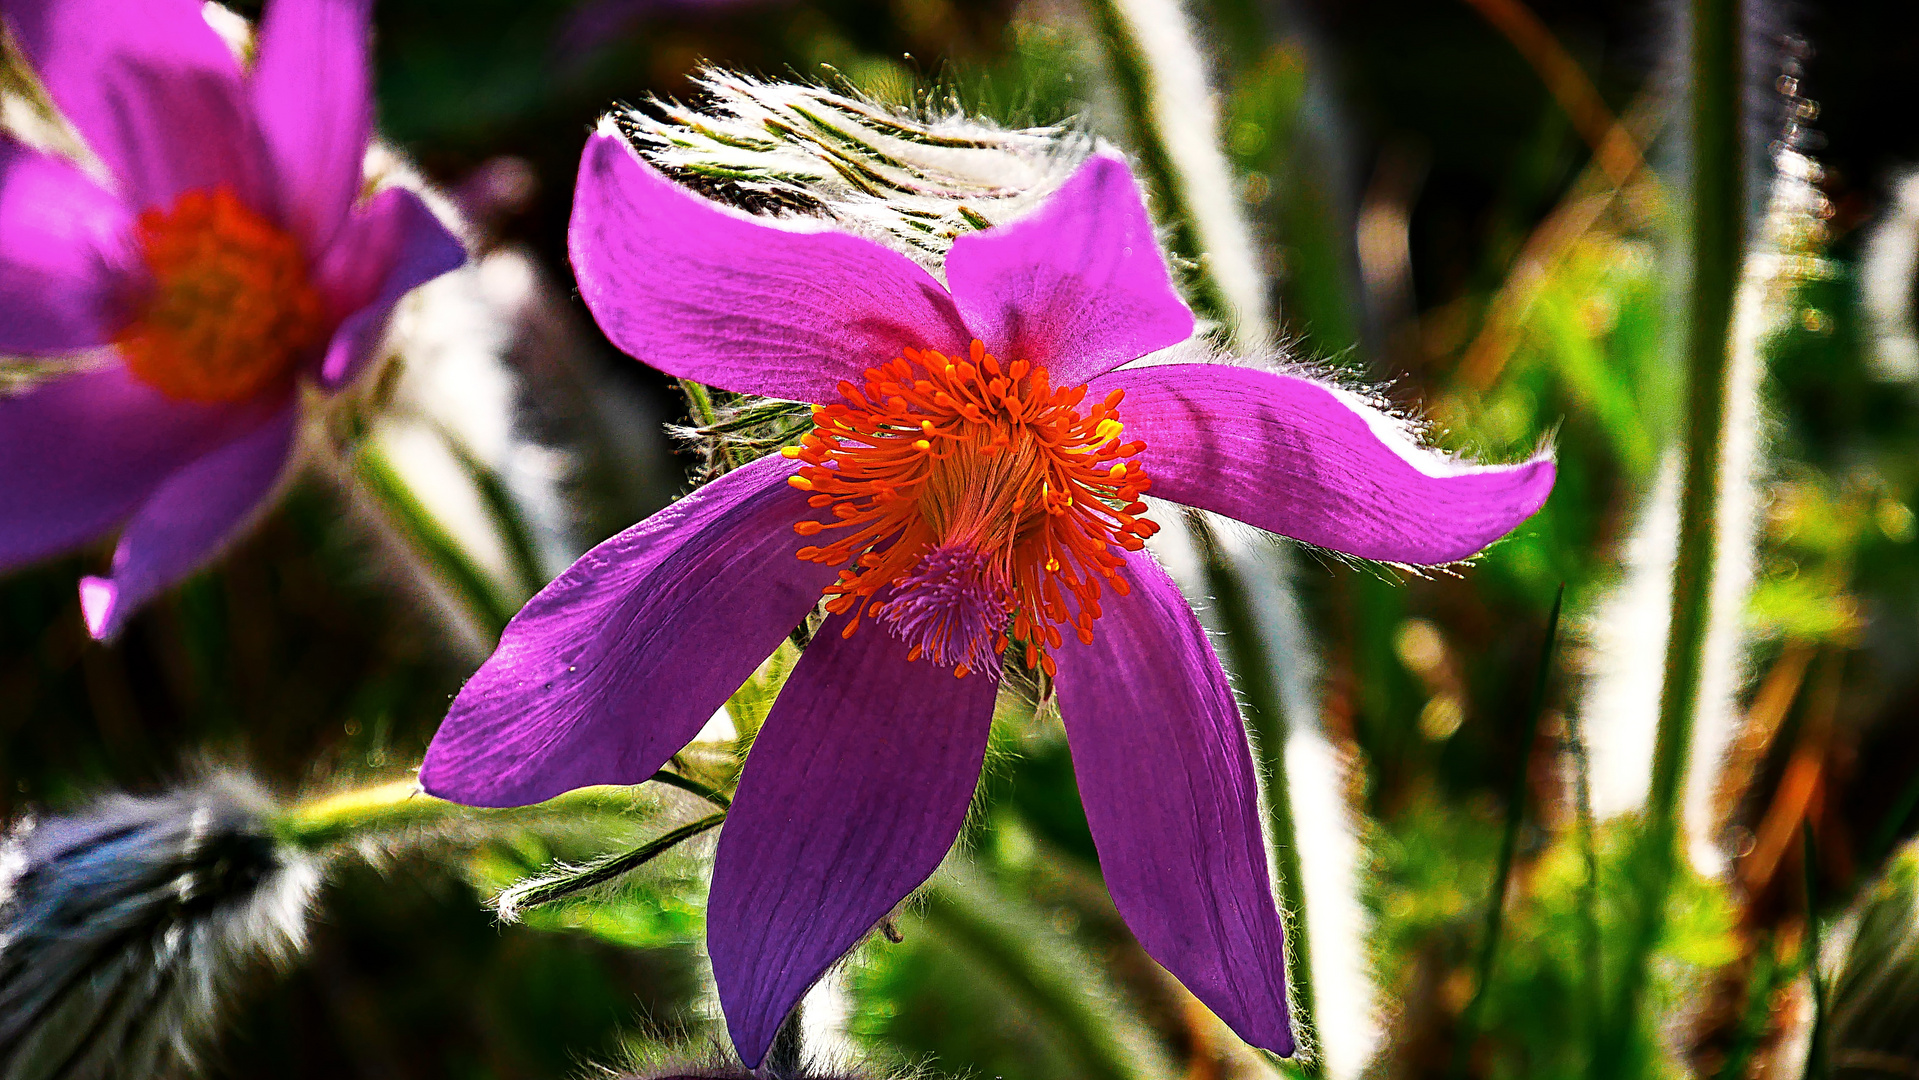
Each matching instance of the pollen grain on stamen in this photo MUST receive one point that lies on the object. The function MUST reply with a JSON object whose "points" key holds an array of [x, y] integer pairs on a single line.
{"points": [[973, 507], [231, 306]]}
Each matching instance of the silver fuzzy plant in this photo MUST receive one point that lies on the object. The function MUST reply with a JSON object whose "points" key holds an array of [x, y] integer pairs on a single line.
{"points": [[122, 927], [912, 180]]}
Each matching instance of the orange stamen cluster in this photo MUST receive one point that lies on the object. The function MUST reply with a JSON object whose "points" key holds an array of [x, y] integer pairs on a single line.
{"points": [[976, 506], [231, 306]]}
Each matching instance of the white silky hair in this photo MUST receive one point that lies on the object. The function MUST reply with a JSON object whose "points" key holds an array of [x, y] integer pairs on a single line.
{"points": [[122, 927], [912, 180], [1887, 269]]}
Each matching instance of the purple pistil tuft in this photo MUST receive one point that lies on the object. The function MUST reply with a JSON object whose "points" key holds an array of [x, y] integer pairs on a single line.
{"points": [[952, 607]]}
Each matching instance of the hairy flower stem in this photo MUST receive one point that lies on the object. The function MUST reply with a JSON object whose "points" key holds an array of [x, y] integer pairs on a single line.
{"points": [[432, 564], [398, 806], [699, 402], [559, 886], [1718, 207], [1161, 74], [1508, 845], [1817, 1057]]}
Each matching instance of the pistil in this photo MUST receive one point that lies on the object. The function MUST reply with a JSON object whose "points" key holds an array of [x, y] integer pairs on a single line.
{"points": [[231, 307], [972, 506]]}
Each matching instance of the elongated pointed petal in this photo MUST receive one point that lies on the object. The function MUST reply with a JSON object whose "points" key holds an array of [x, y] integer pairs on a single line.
{"points": [[701, 292], [152, 89], [66, 256], [80, 453], [384, 251], [194, 514], [1301, 459], [1167, 780], [856, 787], [311, 95], [1077, 287], [619, 662]]}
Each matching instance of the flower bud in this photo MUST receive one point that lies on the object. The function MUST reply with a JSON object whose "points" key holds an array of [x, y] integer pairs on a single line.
{"points": [[122, 925]]}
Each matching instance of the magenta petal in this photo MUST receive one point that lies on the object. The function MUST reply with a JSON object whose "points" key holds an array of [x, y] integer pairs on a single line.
{"points": [[65, 255], [703, 293], [619, 662], [1077, 287], [312, 100], [152, 89], [1301, 459], [856, 787], [1167, 780], [192, 515], [385, 251], [79, 453]]}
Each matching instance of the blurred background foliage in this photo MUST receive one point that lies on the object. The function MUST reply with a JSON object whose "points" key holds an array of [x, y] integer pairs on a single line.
{"points": [[1453, 207]]}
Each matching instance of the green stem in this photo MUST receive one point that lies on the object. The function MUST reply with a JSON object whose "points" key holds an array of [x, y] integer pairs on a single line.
{"points": [[383, 808], [686, 783], [1816, 1045], [1591, 944], [1508, 844], [602, 871], [700, 402], [501, 507], [1133, 78], [430, 542], [1718, 238], [397, 806]]}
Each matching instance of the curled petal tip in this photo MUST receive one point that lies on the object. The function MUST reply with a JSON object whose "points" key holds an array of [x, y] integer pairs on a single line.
{"points": [[98, 598]]}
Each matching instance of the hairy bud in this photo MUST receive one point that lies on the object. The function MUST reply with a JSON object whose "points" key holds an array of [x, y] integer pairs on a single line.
{"points": [[122, 925]]}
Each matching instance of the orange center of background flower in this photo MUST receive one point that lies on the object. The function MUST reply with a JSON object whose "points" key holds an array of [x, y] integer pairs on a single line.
{"points": [[977, 499], [231, 306]]}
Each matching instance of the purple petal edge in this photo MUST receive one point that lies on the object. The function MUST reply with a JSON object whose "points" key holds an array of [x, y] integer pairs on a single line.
{"points": [[1078, 286], [387, 249], [153, 90], [855, 789], [702, 292], [311, 96], [621, 660], [1299, 458], [1167, 780], [66, 255], [195, 513], [81, 452]]}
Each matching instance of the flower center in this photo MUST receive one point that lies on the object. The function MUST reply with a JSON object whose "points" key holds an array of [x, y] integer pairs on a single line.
{"points": [[231, 307], [976, 506]]}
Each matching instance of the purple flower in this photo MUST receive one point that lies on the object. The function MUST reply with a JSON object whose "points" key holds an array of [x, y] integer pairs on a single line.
{"points": [[223, 260], [971, 490]]}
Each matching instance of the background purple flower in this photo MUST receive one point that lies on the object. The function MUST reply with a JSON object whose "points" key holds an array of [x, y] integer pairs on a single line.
{"points": [[862, 772], [224, 259]]}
